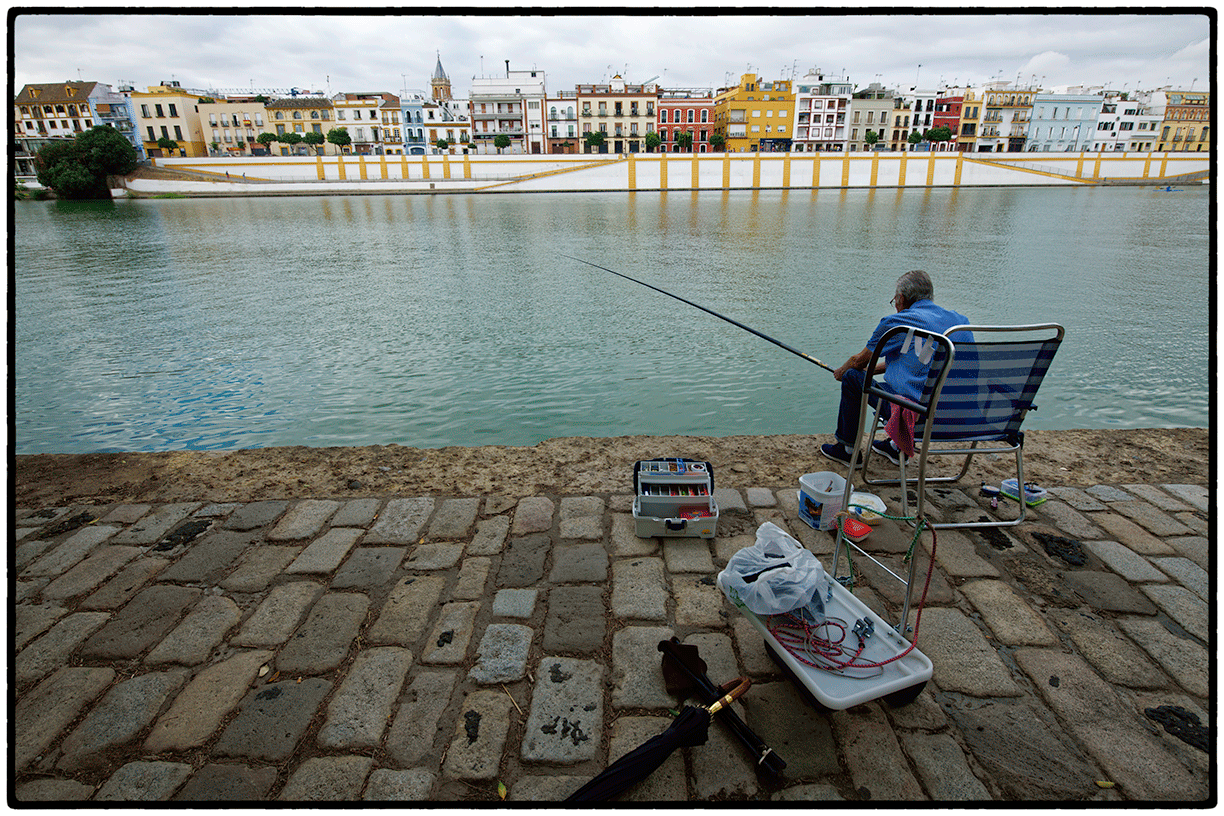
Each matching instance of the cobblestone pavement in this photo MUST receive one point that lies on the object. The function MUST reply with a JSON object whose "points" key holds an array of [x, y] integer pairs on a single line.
{"points": [[436, 648]]}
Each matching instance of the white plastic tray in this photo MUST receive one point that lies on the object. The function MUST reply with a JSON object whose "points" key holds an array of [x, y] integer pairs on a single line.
{"points": [[835, 690]]}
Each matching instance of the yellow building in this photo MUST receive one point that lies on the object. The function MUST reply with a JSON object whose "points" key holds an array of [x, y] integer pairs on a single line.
{"points": [[300, 115], [972, 108], [755, 115], [170, 111], [1187, 122]]}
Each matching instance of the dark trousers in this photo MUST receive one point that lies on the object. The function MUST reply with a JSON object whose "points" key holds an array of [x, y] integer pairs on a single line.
{"points": [[851, 397]]}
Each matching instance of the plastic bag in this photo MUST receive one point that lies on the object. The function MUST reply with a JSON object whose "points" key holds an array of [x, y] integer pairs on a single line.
{"points": [[776, 575]]}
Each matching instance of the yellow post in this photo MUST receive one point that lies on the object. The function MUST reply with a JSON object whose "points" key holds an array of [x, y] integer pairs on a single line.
{"points": [[726, 171], [1079, 166], [1164, 164], [846, 169], [815, 170], [404, 166], [662, 171], [696, 173], [1147, 164], [1096, 167], [901, 171], [319, 166], [632, 170], [931, 170], [341, 168], [756, 170], [382, 161], [445, 165], [362, 167], [786, 172], [875, 168], [960, 163], [467, 166], [424, 166]]}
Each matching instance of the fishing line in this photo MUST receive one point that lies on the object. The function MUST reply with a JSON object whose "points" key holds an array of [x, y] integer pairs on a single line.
{"points": [[761, 335]]}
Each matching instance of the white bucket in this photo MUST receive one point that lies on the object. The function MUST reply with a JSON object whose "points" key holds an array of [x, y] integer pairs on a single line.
{"points": [[820, 497]]}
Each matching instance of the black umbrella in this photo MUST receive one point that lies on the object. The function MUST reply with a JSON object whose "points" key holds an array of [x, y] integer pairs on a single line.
{"points": [[692, 727], [685, 671]]}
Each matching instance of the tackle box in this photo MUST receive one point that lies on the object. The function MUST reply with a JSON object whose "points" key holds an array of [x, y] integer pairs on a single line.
{"points": [[674, 497]]}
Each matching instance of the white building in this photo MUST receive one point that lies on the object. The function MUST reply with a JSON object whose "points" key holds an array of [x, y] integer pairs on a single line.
{"points": [[1124, 124], [511, 106], [822, 111]]}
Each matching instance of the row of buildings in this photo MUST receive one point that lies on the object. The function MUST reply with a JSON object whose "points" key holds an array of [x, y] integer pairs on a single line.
{"points": [[813, 113]]}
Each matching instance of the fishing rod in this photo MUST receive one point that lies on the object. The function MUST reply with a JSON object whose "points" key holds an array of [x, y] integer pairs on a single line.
{"points": [[761, 335]]}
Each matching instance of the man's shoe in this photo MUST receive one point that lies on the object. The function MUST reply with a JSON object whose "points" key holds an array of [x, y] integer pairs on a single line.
{"points": [[837, 452], [885, 448]]}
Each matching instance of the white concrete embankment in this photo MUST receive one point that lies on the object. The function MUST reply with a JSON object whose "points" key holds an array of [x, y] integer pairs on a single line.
{"points": [[316, 175]]}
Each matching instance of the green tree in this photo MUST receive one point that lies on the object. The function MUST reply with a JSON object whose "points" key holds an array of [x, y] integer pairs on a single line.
{"points": [[501, 142], [595, 139], [915, 137], [652, 141], [206, 100], [684, 140], [166, 143], [442, 144], [291, 138], [340, 137], [266, 138], [717, 141], [315, 140], [214, 146], [106, 151], [871, 137], [939, 134], [78, 168]]}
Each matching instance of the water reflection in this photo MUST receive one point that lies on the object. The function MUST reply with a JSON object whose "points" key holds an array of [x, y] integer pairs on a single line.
{"points": [[436, 320]]}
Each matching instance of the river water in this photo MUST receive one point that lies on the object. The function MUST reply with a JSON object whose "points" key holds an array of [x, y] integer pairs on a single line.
{"points": [[457, 320]]}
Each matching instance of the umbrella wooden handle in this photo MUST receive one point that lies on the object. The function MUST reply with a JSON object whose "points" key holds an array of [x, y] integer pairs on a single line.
{"points": [[730, 697]]}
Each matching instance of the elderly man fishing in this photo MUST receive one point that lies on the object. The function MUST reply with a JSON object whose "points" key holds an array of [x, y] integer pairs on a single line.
{"points": [[904, 374]]}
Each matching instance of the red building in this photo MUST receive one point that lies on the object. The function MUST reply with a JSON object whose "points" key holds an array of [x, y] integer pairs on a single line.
{"points": [[685, 111], [948, 114]]}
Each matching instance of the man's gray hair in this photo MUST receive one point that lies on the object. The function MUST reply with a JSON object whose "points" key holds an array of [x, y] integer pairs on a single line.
{"points": [[915, 285]]}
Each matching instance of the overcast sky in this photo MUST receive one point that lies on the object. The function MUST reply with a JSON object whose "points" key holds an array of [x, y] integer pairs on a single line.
{"points": [[373, 52]]}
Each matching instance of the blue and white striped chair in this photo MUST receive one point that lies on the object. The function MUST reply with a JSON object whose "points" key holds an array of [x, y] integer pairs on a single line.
{"points": [[977, 393]]}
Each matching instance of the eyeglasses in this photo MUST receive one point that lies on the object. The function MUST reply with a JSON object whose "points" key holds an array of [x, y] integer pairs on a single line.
{"points": [[894, 300]]}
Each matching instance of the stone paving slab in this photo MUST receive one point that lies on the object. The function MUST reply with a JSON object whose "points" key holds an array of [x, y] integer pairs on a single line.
{"points": [[435, 646], [272, 720]]}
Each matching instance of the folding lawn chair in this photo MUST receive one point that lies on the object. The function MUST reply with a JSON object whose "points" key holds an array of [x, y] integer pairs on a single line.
{"points": [[977, 393]]}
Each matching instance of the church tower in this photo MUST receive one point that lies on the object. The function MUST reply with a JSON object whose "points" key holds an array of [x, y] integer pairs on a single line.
{"points": [[440, 84]]}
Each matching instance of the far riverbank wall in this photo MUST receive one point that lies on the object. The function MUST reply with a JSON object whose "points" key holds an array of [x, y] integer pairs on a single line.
{"points": [[446, 173]]}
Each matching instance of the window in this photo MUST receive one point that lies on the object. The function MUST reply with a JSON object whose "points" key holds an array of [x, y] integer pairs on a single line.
{"points": [[297, 114], [690, 115], [173, 110], [298, 129], [662, 114], [554, 131], [228, 138], [340, 115], [756, 128], [280, 130], [533, 105], [216, 135], [259, 119], [705, 116], [212, 120], [316, 128], [359, 135], [158, 108], [164, 132], [314, 114], [152, 135]]}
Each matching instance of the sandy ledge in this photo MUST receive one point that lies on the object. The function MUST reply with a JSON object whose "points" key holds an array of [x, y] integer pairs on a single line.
{"points": [[563, 466]]}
